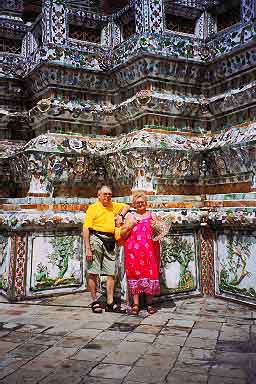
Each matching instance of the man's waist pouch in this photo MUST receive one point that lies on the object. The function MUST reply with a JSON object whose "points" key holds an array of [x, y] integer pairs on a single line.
{"points": [[108, 239]]}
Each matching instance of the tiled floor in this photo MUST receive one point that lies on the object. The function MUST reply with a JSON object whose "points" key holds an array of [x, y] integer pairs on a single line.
{"points": [[200, 340]]}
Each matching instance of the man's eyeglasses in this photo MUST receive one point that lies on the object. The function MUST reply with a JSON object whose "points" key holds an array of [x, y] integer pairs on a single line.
{"points": [[107, 194]]}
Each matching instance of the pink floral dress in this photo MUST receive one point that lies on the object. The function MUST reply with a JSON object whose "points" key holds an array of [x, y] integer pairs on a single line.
{"points": [[142, 259]]}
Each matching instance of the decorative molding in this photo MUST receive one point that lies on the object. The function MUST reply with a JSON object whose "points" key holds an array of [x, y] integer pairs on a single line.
{"points": [[207, 261], [20, 266]]}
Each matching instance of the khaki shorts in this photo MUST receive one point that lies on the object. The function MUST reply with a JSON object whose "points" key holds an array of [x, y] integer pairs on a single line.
{"points": [[104, 262]]}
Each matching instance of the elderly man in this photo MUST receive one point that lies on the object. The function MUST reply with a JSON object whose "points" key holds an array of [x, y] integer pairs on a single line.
{"points": [[99, 228]]}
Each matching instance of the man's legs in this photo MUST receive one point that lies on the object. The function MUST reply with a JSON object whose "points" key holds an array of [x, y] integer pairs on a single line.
{"points": [[110, 289], [93, 272], [92, 285]]}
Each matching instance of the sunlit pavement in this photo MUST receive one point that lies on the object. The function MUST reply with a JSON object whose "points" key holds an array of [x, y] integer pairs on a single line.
{"points": [[60, 340]]}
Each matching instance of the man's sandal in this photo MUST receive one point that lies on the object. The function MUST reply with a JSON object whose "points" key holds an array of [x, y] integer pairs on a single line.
{"points": [[96, 307], [114, 308]]}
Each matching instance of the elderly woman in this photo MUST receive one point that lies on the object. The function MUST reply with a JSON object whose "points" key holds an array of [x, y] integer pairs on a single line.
{"points": [[142, 254]]}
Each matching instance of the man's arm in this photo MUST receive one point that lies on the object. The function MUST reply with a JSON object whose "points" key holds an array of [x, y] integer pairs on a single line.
{"points": [[87, 245], [121, 215]]}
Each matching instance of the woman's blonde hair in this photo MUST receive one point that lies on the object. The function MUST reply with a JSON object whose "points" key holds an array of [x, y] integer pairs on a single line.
{"points": [[139, 194]]}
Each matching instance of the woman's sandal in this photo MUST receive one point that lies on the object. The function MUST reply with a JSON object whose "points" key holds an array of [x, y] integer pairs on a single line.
{"points": [[151, 310], [135, 310], [96, 307], [114, 308]]}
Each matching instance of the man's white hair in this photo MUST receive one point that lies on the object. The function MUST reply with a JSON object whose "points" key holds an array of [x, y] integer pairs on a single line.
{"points": [[103, 187]]}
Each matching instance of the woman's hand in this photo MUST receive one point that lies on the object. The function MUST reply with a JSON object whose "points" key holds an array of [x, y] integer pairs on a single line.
{"points": [[118, 221], [130, 221]]}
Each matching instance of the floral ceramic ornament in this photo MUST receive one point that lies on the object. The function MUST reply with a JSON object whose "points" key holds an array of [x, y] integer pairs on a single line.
{"points": [[144, 96]]}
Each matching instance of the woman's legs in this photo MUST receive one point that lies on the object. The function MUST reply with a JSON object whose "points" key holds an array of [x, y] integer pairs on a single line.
{"points": [[135, 305], [150, 308], [135, 299], [149, 299]]}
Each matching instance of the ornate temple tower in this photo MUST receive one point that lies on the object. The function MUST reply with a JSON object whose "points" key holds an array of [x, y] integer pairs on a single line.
{"points": [[97, 69]]}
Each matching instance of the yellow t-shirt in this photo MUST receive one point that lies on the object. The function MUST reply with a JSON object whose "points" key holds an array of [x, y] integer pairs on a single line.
{"points": [[102, 218]]}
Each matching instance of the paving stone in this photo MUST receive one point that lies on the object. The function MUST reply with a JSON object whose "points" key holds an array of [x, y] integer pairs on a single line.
{"points": [[163, 349], [132, 346], [238, 360], [24, 375], [236, 346], [142, 337], [11, 326], [56, 331], [4, 332], [204, 333], [58, 353], [212, 318], [33, 328], [89, 355], [207, 325], [100, 380], [122, 357], [154, 360], [111, 335], [171, 340], [251, 379], [225, 380], [136, 382], [28, 350], [5, 371], [70, 371], [46, 339], [178, 377], [151, 375], [238, 320], [234, 335], [10, 364], [190, 354], [110, 371], [151, 329], [42, 363], [175, 331], [17, 337], [96, 350], [6, 346], [225, 371], [180, 323], [192, 368], [195, 342], [157, 322], [72, 342], [122, 326], [89, 333], [98, 325]]}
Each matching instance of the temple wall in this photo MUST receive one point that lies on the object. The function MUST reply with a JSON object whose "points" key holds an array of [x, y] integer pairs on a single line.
{"points": [[209, 251]]}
